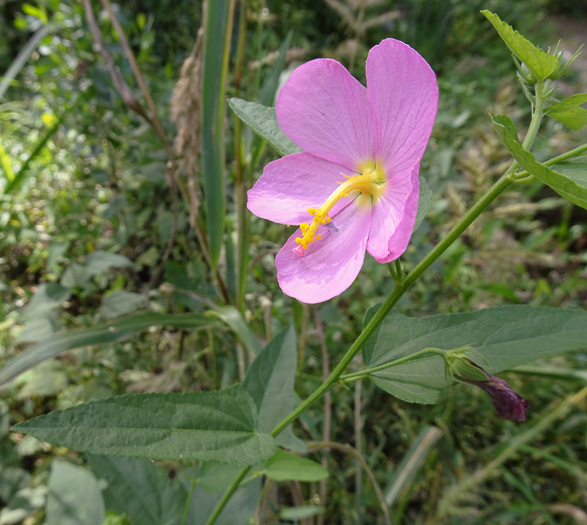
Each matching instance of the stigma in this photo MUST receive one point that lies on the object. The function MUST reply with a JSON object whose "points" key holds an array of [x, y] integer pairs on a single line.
{"points": [[365, 188]]}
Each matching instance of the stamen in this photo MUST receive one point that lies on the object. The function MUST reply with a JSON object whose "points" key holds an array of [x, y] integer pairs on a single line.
{"points": [[370, 183]]}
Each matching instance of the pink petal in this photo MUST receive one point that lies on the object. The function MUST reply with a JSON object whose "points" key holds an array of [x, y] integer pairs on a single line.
{"points": [[403, 95], [400, 238], [330, 265], [291, 185], [325, 111], [388, 213]]}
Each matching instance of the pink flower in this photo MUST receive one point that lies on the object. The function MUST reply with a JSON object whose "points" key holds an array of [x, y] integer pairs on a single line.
{"points": [[355, 186]]}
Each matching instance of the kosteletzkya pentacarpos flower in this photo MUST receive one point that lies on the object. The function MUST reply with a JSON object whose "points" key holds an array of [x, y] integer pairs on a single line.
{"points": [[355, 186]]}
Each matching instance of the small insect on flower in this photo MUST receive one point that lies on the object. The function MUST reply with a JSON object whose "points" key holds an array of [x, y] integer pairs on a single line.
{"points": [[355, 186]]}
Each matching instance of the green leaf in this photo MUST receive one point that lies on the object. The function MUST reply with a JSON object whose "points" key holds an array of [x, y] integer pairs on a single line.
{"points": [[284, 466], [97, 335], [21, 59], [234, 319], [6, 164], [217, 33], [14, 185], [120, 302], [506, 337], [270, 383], [263, 121], [572, 187], [424, 202], [219, 425], [140, 489], [539, 62], [569, 111], [74, 496], [96, 263], [48, 379]]}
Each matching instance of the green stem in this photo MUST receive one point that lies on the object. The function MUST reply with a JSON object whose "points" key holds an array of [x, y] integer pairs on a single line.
{"points": [[227, 495], [537, 116], [188, 503], [401, 287], [362, 374]]}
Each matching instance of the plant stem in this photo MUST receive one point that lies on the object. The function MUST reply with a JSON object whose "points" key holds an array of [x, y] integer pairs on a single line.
{"points": [[362, 374], [227, 495], [401, 287]]}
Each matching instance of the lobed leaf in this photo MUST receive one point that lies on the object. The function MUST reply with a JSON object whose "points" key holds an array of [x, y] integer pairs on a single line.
{"points": [[539, 62], [569, 182], [219, 425], [262, 120], [506, 337]]}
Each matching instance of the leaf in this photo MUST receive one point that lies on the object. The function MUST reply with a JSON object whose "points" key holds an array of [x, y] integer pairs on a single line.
{"points": [[270, 383], [285, 466], [120, 302], [540, 63], [23, 55], [263, 121], [506, 337], [97, 335], [47, 298], [74, 496], [234, 319], [6, 164], [96, 263], [140, 489], [20, 176], [48, 379], [572, 187], [424, 202], [217, 33], [576, 171], [569, 111], [219, 425]]}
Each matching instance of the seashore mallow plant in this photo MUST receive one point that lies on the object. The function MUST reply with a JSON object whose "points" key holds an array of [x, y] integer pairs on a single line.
{"points": [[353, 188]]}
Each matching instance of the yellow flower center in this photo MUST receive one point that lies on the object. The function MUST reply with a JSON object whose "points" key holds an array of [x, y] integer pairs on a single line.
{"points": [[365, 188]]}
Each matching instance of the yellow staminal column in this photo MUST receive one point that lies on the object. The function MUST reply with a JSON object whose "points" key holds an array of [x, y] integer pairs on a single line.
{"points": [[369, 186]]}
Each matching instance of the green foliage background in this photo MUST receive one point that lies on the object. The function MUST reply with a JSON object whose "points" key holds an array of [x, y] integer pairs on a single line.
{"points": [[83, 238]]}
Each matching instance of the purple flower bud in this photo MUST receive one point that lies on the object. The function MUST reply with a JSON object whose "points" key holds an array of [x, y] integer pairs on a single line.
{"points": [[508, 404]]}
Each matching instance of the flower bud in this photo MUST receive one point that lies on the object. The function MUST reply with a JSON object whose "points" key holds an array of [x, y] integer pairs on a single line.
{"points": [[507, 403], [526, 75], [562, 66], [461, 364]]}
